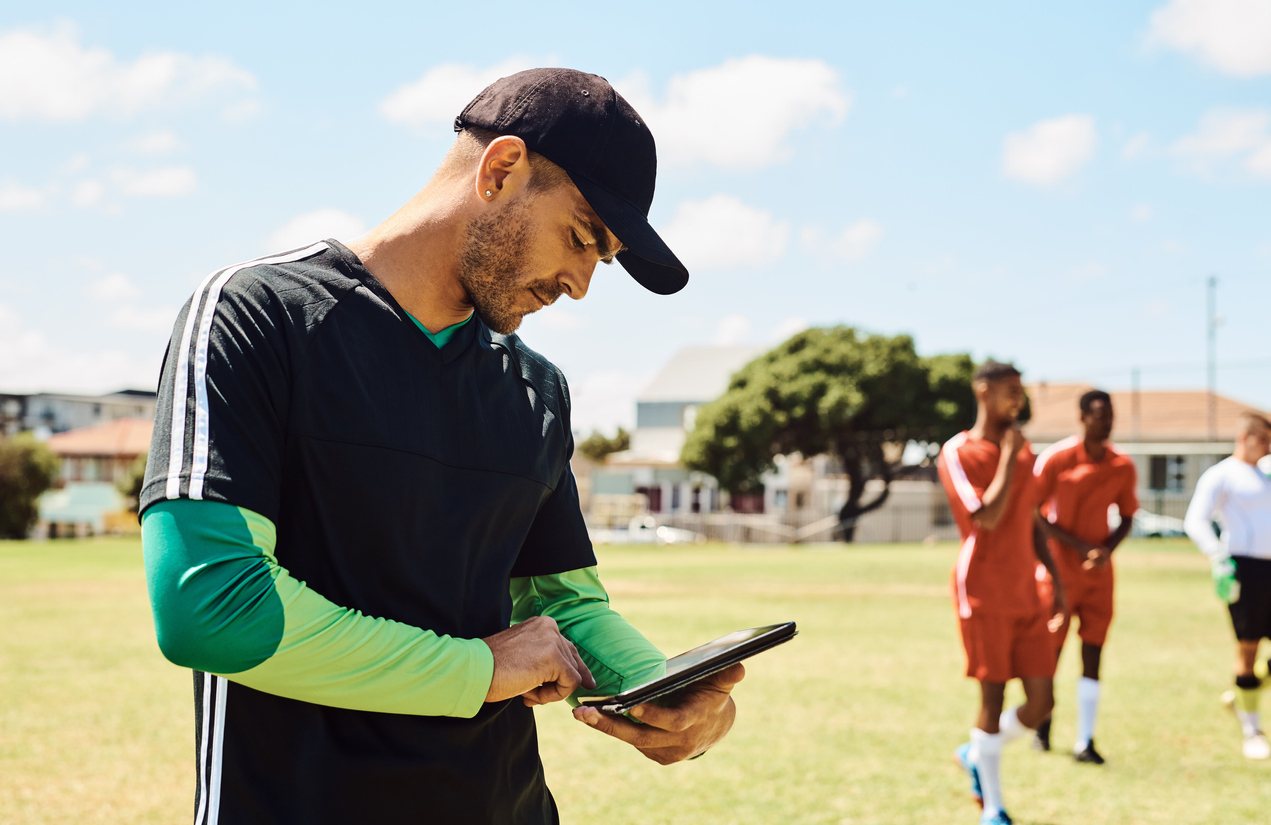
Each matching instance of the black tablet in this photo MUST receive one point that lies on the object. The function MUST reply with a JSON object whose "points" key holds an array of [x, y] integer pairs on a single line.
{"points": [[697, 663]]}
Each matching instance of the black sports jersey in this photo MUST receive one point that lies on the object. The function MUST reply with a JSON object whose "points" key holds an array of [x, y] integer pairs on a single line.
{"points": [[406, 482]]}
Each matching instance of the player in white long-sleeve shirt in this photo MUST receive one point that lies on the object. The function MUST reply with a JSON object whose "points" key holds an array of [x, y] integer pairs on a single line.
{"points": [[1237, 493]]}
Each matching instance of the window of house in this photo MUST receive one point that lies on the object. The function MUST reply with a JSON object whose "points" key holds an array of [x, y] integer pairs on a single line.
{"points": [[1167, 473], [798, 501], [779, 499]]}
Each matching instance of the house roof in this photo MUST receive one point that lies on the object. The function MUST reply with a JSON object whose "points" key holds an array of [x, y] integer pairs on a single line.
{"points": [[698, 374], [120, 437], [1162, 415]]}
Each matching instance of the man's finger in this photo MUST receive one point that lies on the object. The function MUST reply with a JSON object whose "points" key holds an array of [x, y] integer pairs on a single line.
{"points": [[638, 735], [584, 672]]}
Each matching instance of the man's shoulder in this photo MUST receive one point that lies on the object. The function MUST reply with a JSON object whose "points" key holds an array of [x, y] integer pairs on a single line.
{"points": [[302, 277], [1058, 454], [534, 366]]}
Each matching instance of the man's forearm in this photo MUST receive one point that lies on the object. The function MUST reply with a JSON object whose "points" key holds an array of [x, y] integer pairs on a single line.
{"points": [[222, 604], [1119, 535], [997, 495], [1042, 551], [617, 654], [1054, 531]]}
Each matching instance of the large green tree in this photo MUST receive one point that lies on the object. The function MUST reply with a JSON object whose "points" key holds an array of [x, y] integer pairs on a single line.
{"points": [[859, 398], [27, 468]]}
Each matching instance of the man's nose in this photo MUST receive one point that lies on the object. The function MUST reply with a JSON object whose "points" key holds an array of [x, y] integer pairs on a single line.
{"points": [[576, 281]]}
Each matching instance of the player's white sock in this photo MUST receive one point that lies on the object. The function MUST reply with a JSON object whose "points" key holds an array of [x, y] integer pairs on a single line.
{"points": [[1087, 708], [1248, 722], [986, 753], [1010, 726]]}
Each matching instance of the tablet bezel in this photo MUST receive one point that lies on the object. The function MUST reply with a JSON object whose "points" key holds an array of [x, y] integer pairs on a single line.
{"points": [[620, 703]]}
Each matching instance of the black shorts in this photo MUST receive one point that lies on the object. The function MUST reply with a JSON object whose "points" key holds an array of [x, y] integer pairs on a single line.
{"points": [[1251, 616]]}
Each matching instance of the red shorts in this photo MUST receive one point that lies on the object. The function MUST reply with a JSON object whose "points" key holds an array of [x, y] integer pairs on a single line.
{"points": [[1089, 595], [1004, 647]]}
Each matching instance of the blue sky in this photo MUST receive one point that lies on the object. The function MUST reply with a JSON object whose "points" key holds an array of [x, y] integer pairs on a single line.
{"points": [[1048, 184]]}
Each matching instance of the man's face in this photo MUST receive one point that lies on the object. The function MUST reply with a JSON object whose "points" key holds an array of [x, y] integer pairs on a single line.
{"points": [[1097, 422], [540, 246], [1002, 399], [1256, 441]]}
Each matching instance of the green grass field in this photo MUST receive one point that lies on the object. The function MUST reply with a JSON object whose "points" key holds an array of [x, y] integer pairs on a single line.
{"points": [[855, 721]]}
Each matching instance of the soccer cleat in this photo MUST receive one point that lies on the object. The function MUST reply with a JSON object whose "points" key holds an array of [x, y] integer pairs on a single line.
{"points": [[1041, 737], [1090, 756], [999, 818], [1256, 747], [963, 755]]}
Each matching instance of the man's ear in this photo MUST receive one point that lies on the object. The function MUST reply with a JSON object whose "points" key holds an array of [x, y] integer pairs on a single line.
{"points": [[504, 169]]}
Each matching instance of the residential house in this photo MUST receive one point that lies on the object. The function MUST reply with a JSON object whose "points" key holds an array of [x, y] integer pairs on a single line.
{"points": [[1173, 435]]}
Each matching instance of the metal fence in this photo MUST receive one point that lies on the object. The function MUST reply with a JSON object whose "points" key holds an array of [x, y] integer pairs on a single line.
{"points": [[891, 523]]}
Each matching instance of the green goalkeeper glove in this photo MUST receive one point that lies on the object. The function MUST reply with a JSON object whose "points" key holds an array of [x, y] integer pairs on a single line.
{"points": [[1224, 573]]}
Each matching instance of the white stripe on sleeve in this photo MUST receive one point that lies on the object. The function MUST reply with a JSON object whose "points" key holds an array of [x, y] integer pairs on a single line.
{"points": [[970, 500], [199, 459]]}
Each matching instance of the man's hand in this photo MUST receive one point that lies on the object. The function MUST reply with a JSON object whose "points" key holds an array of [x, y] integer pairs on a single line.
{"points": [[700, 717], [1225, 583], [1059, 606], [533, 660], [1096, 556], [1012, 441]]}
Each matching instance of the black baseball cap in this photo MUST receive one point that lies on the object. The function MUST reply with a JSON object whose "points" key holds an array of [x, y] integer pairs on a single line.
{"points": [[577, 121]]}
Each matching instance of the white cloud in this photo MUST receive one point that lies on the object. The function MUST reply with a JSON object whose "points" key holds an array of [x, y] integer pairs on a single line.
{"points": [[1088, 271], [776, 97], [852, 244], [47, 75], [788, 328], [1233, 36], [1239, 135], [433, 101], [605, 400], [113, 287], [135, 319], [14, 197], [732, 329], [1142, 213], [315, 226], [164, 182], [157, 143], [29, 361], [1136, 146], [1049, 150], [87, 193], [722, 232], [74, 164]]}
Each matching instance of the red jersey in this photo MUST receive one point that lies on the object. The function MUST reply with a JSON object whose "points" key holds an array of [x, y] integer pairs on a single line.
{"points": [[1076, 491], [996, 568]]}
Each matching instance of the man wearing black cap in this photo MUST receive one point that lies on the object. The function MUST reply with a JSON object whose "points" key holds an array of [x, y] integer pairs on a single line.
{"points": [[360, 526]]}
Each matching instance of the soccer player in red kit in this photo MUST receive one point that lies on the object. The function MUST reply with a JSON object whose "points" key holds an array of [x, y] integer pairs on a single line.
{"points": [[1079, 479], [987, 474]]}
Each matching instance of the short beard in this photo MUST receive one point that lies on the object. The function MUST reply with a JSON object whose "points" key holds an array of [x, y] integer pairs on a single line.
{"points": [[489, 268]]}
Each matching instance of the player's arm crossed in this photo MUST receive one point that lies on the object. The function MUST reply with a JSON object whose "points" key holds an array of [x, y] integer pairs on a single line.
{"points": [[997, 496]]}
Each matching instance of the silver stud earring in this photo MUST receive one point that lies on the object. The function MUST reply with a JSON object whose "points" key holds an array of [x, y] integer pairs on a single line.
{"points": [[489, 194]]}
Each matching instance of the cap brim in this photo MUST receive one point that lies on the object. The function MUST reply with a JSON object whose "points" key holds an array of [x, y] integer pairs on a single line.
{"points": [[647, 258]]}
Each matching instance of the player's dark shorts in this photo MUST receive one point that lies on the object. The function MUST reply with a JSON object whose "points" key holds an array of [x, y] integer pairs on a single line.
{"points": [[1251, 616]]}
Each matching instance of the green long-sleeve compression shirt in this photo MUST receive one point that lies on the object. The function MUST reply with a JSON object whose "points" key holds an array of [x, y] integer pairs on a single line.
{"points": [[222, 604]]}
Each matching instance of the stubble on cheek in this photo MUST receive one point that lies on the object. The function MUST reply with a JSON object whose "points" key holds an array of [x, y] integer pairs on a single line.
{"points": [[490, 270]]}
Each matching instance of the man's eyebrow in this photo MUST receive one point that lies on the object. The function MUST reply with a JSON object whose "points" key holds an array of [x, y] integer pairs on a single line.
{"points": [[601, 236]]}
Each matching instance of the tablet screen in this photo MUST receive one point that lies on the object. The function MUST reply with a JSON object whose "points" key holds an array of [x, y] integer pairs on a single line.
{"points": [[697, 655]]}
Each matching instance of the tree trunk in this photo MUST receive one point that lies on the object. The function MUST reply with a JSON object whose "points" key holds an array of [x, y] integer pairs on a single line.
{"points": [[853, 457]]}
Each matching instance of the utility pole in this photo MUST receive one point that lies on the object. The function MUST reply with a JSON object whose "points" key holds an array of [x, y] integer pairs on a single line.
{"points": [[1212, 367]]}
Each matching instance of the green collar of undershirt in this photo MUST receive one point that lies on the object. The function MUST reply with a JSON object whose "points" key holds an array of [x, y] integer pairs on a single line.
{"points": [[440, 339]]}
